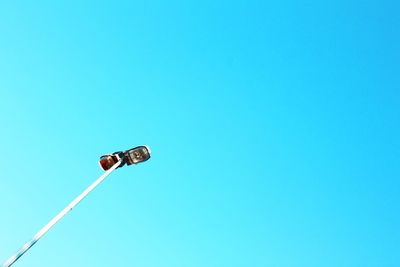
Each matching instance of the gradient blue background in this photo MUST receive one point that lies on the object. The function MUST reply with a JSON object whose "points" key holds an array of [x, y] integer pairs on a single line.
{"points": [[274, 128]]}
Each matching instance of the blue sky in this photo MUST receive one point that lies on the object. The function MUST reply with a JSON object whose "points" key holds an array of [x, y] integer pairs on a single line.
{"points": [[274, 128]]}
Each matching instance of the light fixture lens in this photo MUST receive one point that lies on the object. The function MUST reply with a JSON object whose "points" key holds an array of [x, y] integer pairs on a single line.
{"points": [[107, 161]]}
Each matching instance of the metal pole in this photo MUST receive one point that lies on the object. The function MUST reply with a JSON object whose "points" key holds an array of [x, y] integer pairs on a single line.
{"points": [[58, 217]]}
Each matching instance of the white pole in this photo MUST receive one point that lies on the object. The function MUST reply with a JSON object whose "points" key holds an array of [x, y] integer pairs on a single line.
{"points": [[58, 217]]}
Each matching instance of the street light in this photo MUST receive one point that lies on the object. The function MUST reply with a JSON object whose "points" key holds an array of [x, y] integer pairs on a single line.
{"points": [[109, 163]]}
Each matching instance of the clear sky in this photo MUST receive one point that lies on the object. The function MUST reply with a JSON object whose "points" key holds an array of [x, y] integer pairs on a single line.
{"points": [[274, 127]]}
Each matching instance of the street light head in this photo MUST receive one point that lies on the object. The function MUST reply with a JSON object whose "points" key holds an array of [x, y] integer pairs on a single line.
{"points": [[132, 156], [137, 155]]}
